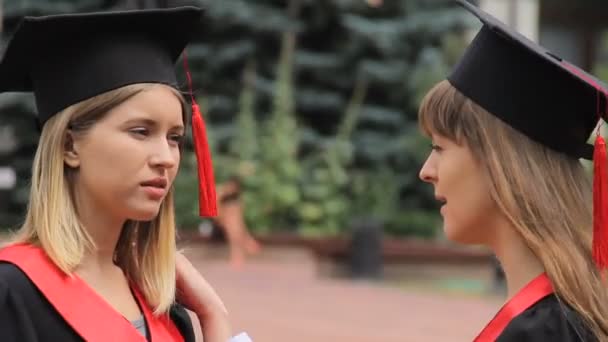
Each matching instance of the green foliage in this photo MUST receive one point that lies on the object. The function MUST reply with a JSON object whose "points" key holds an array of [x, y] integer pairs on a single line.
{"points": [[275, 178], [326, 206], [186, 193], [325, 132], [422, 224]]}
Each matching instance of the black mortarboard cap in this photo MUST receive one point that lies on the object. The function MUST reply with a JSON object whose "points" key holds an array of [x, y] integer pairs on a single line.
{"points": [[64, 59], [536, 92]]}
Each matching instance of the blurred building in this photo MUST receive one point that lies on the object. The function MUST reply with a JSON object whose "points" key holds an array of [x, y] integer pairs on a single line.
{"points": [[574, 30]]}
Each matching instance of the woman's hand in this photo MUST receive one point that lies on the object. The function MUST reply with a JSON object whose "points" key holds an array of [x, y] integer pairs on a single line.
{"points": [[195, 293]]}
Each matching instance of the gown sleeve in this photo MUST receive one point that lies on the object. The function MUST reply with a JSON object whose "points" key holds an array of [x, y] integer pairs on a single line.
{"points": [[182, 321], [15, 323]]}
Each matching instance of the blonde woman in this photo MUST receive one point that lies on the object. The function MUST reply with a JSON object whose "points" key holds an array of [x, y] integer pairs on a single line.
{"points": [[96, 258], [508, 127]]}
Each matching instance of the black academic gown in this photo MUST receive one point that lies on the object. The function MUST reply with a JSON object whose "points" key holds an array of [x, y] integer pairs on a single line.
{"points": [[547, 320], [533, 314], [27, 316]]}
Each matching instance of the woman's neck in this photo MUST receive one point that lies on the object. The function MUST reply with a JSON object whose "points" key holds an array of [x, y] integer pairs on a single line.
{"points": [[105, 231], [519, 263]]}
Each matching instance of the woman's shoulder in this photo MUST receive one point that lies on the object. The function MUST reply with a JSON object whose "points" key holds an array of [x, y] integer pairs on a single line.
{"points": [[15, 291], [14, 318], [13, 274], [15, 285], [25, 314], [548, 320], [12, 278]]}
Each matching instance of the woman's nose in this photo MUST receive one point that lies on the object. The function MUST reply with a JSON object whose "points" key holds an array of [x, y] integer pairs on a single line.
{"points": [[164, 156], [428, 171]]}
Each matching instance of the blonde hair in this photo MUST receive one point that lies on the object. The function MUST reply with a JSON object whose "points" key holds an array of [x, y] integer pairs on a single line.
{"points": [[145, 250], [544, 194]]}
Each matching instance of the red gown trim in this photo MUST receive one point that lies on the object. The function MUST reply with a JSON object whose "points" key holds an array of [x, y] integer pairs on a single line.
{"points": [[81, 307], [539, 288]]}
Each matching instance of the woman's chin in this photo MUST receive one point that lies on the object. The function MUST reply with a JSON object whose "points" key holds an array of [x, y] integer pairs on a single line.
{"points": [[461, 235], [144, 214]]}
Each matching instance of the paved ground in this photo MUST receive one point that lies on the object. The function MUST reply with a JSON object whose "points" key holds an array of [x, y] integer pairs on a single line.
{"points": [[279, 297]]}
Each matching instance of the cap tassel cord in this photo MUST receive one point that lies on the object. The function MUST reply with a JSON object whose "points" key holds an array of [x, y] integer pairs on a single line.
{"points": [[207, 198]]}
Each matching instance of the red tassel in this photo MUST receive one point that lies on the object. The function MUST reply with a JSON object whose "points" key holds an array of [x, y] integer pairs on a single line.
{"points": [[207, 202], [207, 199], [600, 182], [600, 207]]}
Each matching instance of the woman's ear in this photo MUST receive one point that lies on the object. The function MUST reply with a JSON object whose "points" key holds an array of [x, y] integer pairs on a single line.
{"points": [[70, 153]]}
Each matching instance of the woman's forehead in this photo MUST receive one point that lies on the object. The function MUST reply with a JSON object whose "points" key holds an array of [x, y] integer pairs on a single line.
{"points": [[155, 105]]}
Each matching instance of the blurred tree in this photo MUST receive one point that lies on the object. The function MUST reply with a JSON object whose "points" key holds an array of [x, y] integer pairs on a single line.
{"points": [[399, 49]]}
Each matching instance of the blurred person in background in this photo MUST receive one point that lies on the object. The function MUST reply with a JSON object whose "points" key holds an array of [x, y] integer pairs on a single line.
{"points": [[508, 128], [231, 221]]}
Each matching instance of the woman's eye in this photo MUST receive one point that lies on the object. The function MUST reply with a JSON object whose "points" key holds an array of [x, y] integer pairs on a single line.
{"points": [[139, 131], [178, 138], [436, 147]]}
